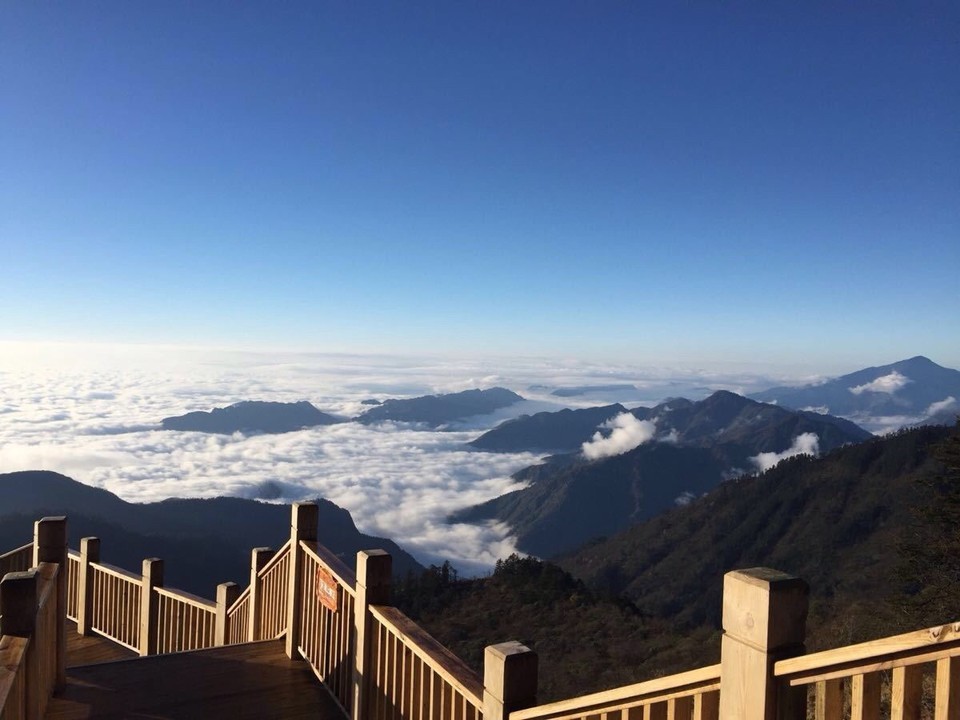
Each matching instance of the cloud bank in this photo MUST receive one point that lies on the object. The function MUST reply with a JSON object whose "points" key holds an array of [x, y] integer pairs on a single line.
{"points": [[627, 433], [942, 405], [93, 413], [806, 444], [885, 384]]}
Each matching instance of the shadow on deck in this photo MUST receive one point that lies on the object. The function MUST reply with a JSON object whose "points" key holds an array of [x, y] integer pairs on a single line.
{"points": [[253, 680]]}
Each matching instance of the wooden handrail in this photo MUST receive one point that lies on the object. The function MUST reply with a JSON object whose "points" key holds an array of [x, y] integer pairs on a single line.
{"points": [[241, 599], [276, 559], [117, 572], [910, 648], [345, 577], [187, 598], [13, 653], [447, 665], [692, 682], [16, 560]]}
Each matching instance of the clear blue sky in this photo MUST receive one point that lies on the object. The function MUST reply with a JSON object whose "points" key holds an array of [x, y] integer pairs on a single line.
{"points": [[653, 181]]}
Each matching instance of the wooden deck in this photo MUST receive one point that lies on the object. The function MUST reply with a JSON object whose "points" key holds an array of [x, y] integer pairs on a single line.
{"points": [[253, 680], [92, 650]]}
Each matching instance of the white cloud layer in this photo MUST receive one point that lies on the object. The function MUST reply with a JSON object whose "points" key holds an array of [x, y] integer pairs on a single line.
{"points": [[942, 405], [627, 432], [93, 413], [885, 384], [806, 444]]}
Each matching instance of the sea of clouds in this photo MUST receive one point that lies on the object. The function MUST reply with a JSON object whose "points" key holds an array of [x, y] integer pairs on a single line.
{"points": [[93, 413]]}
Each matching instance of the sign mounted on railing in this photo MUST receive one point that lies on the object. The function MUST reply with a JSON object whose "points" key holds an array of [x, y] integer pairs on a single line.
{"points": [[327, 589]]}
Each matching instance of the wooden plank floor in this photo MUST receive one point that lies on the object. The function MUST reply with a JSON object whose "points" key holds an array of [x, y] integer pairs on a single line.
{"points": [[254, 680], [93, 649]]}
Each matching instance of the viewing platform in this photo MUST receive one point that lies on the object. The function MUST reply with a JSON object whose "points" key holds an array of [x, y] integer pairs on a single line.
{"points": [[311, 637]]}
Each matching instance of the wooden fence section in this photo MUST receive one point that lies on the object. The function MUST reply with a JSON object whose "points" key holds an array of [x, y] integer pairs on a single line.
{"points": [[16, 560], [690, 695], [327, 637], [73, 580], [30, 640], [184, 621], [379, 665], [273, 596], [239, 619], [116, 605], [416, 676], [847, 681]]}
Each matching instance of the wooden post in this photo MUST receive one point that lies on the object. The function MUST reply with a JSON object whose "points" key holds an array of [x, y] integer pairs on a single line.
{"points": [[764, 620], [18, 617], [374, 574], [303, 526], [18, 603], [89, 553], [259, 557], [227, 594], [150, 604], [50, 545], [509, 679]]}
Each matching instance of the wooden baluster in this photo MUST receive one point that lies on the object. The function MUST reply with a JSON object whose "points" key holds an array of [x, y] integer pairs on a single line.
{"points": [[680, 708], [149, 605], [829, 700], [374, 574], [50, 545], [906, 693], [865, 697], [303, 526], [509, 679], [948, 689], [89, 553], [655, 711], [764, 620], [706, 706]]}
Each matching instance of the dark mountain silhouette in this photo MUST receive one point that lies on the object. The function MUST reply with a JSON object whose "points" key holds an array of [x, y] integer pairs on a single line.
{"points": [[728, 418], [562, 431], [836, 521], [571, 500], [839, 522], [437, 410], [203, 541], [905, 388], [252, 416], [724, 417]]}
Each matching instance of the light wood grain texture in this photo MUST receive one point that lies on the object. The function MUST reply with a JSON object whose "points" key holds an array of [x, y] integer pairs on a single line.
{"points": [[865, 697], [948, 689], [303, 526], [906, 692]]}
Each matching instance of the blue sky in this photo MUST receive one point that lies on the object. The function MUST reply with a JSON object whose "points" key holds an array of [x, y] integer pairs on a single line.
{"points": [[678, 181]]}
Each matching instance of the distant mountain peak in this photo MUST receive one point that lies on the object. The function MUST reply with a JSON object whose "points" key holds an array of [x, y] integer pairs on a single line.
{"points": [[252, 416]]}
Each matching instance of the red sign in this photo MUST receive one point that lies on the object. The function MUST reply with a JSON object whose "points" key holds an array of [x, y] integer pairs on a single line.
{"points": [[327, 589]]}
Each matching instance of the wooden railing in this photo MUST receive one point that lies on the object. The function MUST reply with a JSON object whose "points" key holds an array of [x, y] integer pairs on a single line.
{"points": [[16, 560], [273, 596], [184, 621], [849, 681], [327, 637], [28, 641], [73, 579], [415, 673], [694, 694], [239, 619], [378, 664], [116, 606], [32, 614]]}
